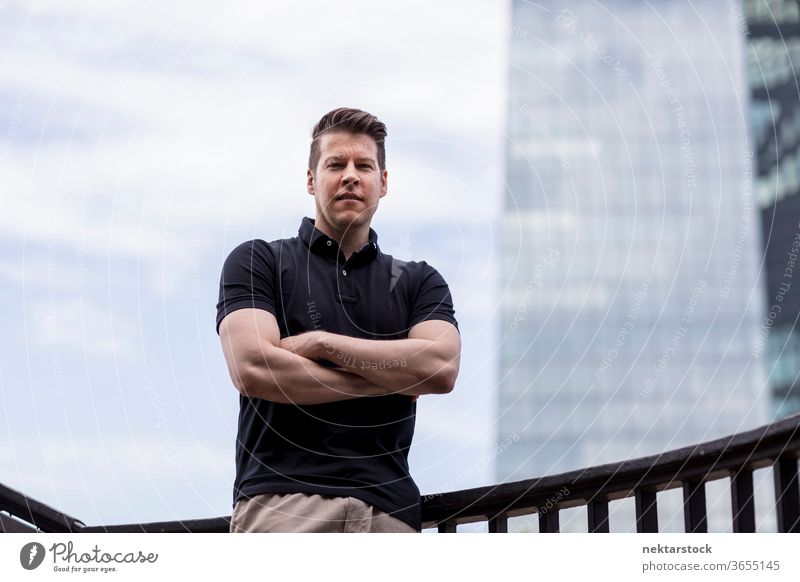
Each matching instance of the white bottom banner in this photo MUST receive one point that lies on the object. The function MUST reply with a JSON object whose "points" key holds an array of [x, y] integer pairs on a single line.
{"points": [[400, 557]]}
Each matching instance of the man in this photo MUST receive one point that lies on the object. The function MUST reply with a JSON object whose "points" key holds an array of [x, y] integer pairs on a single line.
{"points": [[330, 342]]}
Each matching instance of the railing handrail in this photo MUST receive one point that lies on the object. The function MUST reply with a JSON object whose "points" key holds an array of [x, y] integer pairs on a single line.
{"points": [[692, 465], [36, 513], [707, 461]]}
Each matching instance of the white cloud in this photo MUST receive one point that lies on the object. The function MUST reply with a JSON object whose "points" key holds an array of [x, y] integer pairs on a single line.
{"points": [[79, 324], [174, 143], [99, 481]]}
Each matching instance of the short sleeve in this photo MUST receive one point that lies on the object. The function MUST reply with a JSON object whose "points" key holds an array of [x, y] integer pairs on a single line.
{"points": [[433, 299], [248, 280]]}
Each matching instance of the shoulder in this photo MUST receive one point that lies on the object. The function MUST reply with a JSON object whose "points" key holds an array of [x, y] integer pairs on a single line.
{"points": [[258, 249], [418, 277], [412, 267], [251, 256], [423, 271]]}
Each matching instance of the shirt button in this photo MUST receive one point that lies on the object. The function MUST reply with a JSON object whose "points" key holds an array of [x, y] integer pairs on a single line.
{"points": [[344, 272], [329, 243]]}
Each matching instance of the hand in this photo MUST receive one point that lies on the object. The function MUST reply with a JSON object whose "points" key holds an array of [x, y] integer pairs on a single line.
{"points": [[413, 397], [305, 344]]}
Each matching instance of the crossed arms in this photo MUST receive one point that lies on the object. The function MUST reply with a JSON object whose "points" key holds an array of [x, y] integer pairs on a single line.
{"points": [[286, 370]]}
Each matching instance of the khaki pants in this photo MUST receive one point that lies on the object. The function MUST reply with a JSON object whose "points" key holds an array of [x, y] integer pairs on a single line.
{"points": [[298, 512]]}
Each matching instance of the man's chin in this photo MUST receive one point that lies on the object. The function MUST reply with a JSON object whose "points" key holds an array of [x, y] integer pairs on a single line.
{"points": [[350, 219]]}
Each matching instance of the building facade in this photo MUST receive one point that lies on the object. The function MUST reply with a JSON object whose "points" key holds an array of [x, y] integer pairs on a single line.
{"points": [[632, 304], [773, 60]]}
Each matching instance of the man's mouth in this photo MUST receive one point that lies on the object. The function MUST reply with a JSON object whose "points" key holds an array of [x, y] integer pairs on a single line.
{"points": [[348, 196]]}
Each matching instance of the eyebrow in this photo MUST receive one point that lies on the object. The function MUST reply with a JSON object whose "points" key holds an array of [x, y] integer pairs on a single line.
{"points": [[360, 159]]}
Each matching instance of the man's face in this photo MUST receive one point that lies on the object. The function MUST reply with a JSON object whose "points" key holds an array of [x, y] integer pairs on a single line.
{"points": [[347, 183]]}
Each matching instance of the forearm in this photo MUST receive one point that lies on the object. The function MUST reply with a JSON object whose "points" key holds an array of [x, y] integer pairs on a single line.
{"points": [[285, 377], [407, 366]]}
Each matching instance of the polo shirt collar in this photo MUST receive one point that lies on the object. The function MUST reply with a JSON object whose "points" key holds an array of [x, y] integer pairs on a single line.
{"points": [[317, 241]]}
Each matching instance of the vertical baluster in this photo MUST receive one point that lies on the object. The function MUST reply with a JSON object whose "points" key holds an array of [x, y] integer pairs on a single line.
{"points": [[548, 521], [694, 507], [498, 524], [646, 511], [597, 514], [787, 494], [742, 506]]}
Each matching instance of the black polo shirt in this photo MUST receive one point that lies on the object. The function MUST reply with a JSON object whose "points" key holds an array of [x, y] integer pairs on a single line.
{"points": [[359, 447]]}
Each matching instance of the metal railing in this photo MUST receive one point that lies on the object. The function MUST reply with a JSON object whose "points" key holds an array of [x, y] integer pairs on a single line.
{"points": [[734, 458]]}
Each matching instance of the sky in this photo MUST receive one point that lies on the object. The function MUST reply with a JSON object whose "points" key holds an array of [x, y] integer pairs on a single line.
{"points": [[140, 142]]}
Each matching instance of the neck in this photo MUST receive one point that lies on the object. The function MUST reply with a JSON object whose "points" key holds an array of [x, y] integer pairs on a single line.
{"points": [[350, 239]]}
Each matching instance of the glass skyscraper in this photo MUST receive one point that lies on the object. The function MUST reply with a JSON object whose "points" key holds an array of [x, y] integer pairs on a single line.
{"points": [[773, 60], [632, 304]]}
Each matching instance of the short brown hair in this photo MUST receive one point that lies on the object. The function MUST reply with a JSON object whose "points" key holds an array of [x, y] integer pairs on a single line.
{"points": [[348, 120]]}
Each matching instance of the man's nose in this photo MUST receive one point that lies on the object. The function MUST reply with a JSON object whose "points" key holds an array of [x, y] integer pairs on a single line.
{"points": [[350, 175]]}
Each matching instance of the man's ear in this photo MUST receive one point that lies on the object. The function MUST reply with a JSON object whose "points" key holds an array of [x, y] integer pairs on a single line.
{"points": [[384, 183], [310, 181]]}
